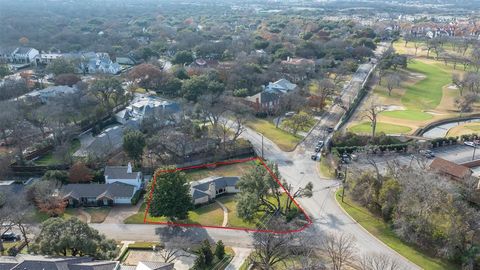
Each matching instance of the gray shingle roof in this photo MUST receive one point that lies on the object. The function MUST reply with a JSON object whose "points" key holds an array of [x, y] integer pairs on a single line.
{"points": [[30, 262], [100, 265], [220, 182], [158, 265], [98, 191], [23, 50], [119, 172], [197, 194]]}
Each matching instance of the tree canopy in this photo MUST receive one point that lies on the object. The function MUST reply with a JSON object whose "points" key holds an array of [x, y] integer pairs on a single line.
{"points": [[171, 195]]}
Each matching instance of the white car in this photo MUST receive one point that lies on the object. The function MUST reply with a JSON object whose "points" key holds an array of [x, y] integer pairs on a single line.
{"points": [[471, 144]]}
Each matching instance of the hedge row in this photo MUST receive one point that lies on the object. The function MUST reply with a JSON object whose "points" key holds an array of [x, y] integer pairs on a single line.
{"points": [[400, 147]]}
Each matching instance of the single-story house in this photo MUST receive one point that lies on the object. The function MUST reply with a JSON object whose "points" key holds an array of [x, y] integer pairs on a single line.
{"points": [[455, 171], [24, 55], [206, 190], [123, 174], [98, 194]]}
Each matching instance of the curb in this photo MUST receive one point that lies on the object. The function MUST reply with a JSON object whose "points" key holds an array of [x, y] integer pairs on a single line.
{"points": [[363, 228]]}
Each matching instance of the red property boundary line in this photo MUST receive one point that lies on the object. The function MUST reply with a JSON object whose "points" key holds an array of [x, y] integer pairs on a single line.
{"points": [[146, 221]]}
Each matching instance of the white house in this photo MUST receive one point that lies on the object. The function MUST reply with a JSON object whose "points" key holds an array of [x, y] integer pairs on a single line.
{"points": [[281, 86], [206, 190], [147, 106], [46, 58], [24, 55], [123, 174]]}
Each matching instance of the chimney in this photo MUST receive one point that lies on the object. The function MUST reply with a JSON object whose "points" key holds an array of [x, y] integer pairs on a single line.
{"points": [[129, 167]]}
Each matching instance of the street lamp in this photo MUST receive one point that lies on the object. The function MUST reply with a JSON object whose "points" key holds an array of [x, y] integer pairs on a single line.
{"points": [[474, 149]]}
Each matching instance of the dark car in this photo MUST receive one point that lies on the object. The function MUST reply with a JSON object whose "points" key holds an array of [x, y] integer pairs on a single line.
{"points": [[316, 157], [329, 129], [318, 148], [10, 236]]}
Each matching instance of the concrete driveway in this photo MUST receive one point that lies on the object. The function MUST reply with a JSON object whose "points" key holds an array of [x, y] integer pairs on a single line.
{"points": [[119, 213]]}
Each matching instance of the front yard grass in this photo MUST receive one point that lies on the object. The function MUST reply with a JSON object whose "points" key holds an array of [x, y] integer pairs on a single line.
{"points": [[384, 233], [326, 168], [366, 128], [284, 140], [210, 215], [233, 219]]}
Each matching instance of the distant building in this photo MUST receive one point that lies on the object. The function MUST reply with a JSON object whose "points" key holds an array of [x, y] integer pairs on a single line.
{"points": [[47, 58], [146, 106], [268, 100], [24, 55], [44, 95], [92, 63], [206, 190]]}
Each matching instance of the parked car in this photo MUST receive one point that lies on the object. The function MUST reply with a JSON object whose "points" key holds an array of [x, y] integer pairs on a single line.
{"points": [[329, 129], [318, 148], [316, 157], [320, 144], [10, 236], [289, 114], [471, 144], [345, 158], [427, 153]]}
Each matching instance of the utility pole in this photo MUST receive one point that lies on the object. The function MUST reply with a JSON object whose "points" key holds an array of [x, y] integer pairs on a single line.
{"points": [[474, 149], [344, 182]]}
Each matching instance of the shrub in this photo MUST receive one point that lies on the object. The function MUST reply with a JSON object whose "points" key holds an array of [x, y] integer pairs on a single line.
{"points": [[220, 250], [136, 197]]}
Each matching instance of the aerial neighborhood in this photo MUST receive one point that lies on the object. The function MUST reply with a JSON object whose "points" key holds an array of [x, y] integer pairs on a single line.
{"points": [[251, 135]]}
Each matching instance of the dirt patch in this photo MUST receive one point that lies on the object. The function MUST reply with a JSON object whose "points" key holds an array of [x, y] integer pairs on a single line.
{"points": [[392, 108]]}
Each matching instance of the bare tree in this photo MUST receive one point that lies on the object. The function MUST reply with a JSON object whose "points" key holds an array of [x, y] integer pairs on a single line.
{"points": [[174, 248], [372, 113], [340, 248], [464, 103], [393, 80], [378, 262], [271, 249]]}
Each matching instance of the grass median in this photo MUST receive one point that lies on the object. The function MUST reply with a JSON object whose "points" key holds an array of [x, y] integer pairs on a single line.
{"points": [[283, 139], [366, 128], [381, 230]]}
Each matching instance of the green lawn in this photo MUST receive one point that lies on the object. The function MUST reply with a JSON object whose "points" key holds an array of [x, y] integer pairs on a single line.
{"points": [[283, 139], [50, 159], [473, 127], [326, 168], [384, 233], [408, 115], [210, 215], [386, 128], [427, 93], [233, 219]]}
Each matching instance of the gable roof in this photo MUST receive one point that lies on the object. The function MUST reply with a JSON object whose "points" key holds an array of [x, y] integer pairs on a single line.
{"points": [[120, 172], [31, 262], [450, 168], [98, 191], [219, 181], [156, 265], [95, 265]]}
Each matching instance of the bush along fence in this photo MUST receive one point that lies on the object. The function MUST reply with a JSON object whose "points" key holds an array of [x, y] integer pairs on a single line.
{"points": [[398, 148], [356, 102]]}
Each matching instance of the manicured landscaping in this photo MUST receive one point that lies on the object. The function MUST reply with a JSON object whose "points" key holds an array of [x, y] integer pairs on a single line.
{"points": [[326, 169], [427, 93], [408, 115], [386, 128], [210, 215], [384, 233], [283, 139], [233, 219]]}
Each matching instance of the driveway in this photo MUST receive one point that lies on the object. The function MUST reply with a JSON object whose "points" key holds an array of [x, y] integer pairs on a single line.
{"points": [[119, 213]]}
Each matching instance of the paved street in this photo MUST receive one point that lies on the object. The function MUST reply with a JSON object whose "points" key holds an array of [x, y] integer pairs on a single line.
{"points": [[297, 169]]}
